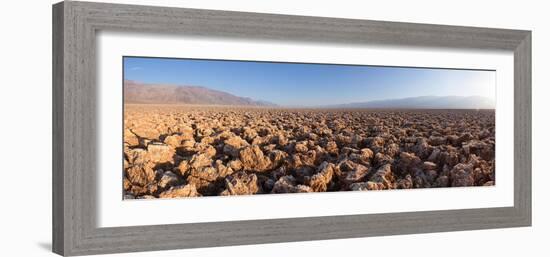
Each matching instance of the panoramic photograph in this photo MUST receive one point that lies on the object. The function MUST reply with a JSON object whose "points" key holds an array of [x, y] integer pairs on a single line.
{"points": [[196, 128]]}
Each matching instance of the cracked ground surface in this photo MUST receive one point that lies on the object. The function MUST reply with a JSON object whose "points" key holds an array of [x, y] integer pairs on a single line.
{"points": [[187, 151]]}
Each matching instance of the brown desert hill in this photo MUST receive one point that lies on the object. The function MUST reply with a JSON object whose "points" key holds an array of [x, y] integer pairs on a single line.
{"points": [[140, 93]]}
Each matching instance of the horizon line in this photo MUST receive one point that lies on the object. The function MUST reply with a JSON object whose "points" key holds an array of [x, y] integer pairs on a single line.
{"points": [[305, 106], [302, 107]]}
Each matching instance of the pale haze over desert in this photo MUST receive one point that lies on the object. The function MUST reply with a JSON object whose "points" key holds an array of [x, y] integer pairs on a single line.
{"points": [[223, 128]]}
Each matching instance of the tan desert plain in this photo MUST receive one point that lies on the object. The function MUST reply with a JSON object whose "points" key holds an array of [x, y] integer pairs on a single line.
{"points": [[194, 141]]}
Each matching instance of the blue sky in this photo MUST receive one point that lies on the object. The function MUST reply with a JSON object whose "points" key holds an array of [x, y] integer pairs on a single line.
{"points": [[293, 84]]}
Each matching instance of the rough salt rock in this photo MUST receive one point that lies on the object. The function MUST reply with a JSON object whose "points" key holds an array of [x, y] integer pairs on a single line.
{"points": [[129, 197], [180, 191], [309, 158], [454, 140], [371, 121], [421, 148], [489, 183], [431, 175], [376, 144], [173, 140], [473, 146], [141, 174], [268, 184], [485, 134], [235, 165], [277, 158], [356, 139], [462, 175], [480, 176], [358, 173], [287, 184], [186, 132], [241, 183], [204, 132], [301, 147], [323, 131], [147, 197], [137, 190], [249, 134], [483, 170], [152, 188], [279, 172], [479, 148], [146, 132], [137, 156], [204, 187], [362, 157], [321, 155], [225, 134], [429, 165], [346, 151], [405, 183], [392, 149], [208, 173], [360, 186], [208, 140], [188, 145], [442, 181], [160, 153], [322, 178], [302, 189], [434, 156], [269, 148], [367, 153], [280, 140], [253, 158], [312, 136], [346, 165], [233, 145], [407, 162], [409, 159], [383, 176], [382, 159], [465, 137], [376, 186], [222, 169], [332, 147], [168, 179], [261, 140], [332, 137], [130, 138], [126, 184], [209, 150], [437, 140], [200, 160], [183, 167], [419, 179], [158, 173], [303, 173], [451, 157]]}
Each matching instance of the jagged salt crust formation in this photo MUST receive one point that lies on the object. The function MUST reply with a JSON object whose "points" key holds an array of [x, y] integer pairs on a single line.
{"points": [[186, 151]]}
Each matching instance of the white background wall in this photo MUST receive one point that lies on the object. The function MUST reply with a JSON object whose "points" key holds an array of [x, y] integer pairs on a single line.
{"points": [[25, 127]]}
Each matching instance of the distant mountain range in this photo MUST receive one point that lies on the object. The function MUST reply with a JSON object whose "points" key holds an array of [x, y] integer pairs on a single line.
{"points": [[135, 92], [425, 102]]}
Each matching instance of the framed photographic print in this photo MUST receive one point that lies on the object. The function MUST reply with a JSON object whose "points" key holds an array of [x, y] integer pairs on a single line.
{"points": [[182, 128]]}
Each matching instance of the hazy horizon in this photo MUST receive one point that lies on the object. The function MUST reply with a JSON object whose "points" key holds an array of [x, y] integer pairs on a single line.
{"points": [[311, 85]]}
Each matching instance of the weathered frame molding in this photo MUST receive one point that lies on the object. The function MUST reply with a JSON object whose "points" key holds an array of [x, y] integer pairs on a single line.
{"points": [[74, 130]]}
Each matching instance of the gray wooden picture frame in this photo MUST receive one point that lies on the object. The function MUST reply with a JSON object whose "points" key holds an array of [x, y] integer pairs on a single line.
{"points": [[75, 25]]}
